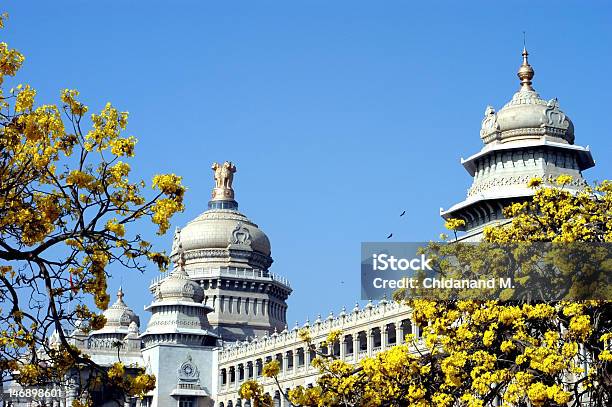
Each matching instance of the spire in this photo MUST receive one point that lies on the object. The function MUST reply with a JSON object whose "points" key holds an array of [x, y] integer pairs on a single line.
{"points": [[120, 295], [525, 72], [180, 271]]}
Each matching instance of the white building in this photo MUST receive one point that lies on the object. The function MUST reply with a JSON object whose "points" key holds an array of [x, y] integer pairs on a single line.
{"points": [[221, 313]]}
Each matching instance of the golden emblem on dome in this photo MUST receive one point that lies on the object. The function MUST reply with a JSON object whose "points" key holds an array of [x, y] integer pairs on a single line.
{"points": [[224, 176]]}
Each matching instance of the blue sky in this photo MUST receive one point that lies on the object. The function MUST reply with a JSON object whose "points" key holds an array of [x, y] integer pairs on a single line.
{"points": [[338, 114]]}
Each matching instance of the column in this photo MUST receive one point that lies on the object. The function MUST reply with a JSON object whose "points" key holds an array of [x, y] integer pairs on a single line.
{"points": [[415, 329], [384, 337], [356, 347], [307, 358], [296, 359], [342, 347], [285, 363], [399, 334], [370, 341]]}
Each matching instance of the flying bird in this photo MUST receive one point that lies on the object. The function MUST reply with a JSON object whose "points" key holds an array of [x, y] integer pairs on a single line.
{"points": [[390, 236], [403, 213]]}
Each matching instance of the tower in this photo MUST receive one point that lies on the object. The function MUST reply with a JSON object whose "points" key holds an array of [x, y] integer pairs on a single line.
{"points": [[229, 257], [529, 137], [178, 345]]}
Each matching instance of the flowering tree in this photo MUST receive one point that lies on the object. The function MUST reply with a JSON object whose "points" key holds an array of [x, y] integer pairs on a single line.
{"points": [[473, 353], [66, 208]]}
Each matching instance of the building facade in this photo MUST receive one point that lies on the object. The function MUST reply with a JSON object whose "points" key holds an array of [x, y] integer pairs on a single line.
{"points": [[220, 314]]}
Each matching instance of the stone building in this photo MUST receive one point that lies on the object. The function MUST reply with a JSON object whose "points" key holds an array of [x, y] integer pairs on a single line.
{"points": [[528, 137], [220, 314]]}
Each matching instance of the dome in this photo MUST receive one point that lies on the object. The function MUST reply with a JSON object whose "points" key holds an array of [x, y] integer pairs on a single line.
{"points": [[222, 236], [526, 115], [177, 286], [219, 228], [119, 316]]}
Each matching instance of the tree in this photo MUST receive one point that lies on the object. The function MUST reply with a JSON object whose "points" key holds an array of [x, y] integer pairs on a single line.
{"points": [[474, 352], [67, 212]]}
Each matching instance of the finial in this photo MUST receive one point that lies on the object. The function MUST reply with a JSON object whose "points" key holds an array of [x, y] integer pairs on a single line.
{"points": [[120, 294], [525, 72], [224, 176]]}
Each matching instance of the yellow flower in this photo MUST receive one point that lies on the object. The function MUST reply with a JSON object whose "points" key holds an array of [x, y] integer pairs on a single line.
{"points": [[534, 182], [556, 393], [580, 325], [304, 335], [563, 179], [68, 96], [117, 228], [123, 146], [25, 99], [507, 346], [80, 179], [606, 356], [454, 224], [169, 184], [537, 393], [271, 369], [334, 336]]}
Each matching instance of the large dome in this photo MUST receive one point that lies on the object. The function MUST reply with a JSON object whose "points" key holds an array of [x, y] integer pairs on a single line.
{"points": [[527, 115], [222, 236], [218, 228]]}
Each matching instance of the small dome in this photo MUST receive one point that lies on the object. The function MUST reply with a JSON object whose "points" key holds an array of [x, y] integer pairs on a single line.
{"points": [[133, 328], [119, 315], [177, 286], [527, 115]]}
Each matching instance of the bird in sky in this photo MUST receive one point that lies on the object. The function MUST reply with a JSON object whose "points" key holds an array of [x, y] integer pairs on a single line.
{"points": [[403, 213], [390, 236]]}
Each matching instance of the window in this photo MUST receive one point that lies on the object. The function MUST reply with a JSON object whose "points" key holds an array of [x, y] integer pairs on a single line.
{"points": [[186, 402]]}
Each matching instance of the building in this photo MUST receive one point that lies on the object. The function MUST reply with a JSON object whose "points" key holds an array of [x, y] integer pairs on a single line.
{"points": [[220, 314], [529, 137]]}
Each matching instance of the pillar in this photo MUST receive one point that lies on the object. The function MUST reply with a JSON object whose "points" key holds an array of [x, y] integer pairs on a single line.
{"points": [[384, 337], [296, 359], [307, 357], [285, 363], [399, 334]]}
